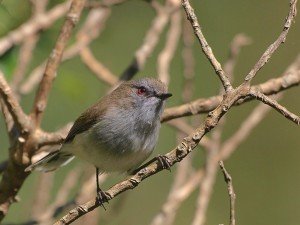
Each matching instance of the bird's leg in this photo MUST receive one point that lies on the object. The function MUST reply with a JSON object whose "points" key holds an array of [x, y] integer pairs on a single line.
{"points": [[102, 196]]}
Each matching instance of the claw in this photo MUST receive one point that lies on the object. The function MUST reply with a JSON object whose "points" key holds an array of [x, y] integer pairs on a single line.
{"points": [[164, 161], [102, 197]]}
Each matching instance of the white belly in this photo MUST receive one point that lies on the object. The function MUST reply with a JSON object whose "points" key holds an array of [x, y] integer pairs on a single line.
{"points": [[84, 148]]}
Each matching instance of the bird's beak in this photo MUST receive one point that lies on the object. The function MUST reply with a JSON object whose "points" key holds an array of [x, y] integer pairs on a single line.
{"points": [[164, 96]]}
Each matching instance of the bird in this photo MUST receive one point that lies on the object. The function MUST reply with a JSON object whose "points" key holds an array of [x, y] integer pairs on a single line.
{"points": [[116, 134]]}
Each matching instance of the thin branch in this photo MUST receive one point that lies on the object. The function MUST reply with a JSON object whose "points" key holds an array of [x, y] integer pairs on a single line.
{"points": [[231, 144], [210, 172], [69, 183], [199, 106], [13, 106], [188, 62], [39, 6], [166, 55], [32, 26], [27, 47], [274, 104], [102, 73], [42, 194], [181, 188], [273, 47], [150, 41], [24, 59], [91, 28], [54, 60], [239, 41], [54, 138], [191, 16], [176, 196], [209, 177], [231, 193]]}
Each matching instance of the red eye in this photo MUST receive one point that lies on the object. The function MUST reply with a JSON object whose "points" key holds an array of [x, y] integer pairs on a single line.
{"points": [[141, 91]]}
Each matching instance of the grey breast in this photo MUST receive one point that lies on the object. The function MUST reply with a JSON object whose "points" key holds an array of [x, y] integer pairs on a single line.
{"points": [[127, 132]]}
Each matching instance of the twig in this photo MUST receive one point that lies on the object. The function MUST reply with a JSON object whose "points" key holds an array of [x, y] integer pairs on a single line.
{"points": [[239, 41], [54, 138], [206, 186], [48, 215], [102, 73], [210, 172], [274, 104], [23, 61], [150, 40], [88, 32], [26, 50], [198, 106], [166, 55], [32, 26], [182, 178], [42, 194], [188, 62], [231, 144], [54, 60], [12, 104], [231, 193], [176, 196], [273, 47], [205, 47]]}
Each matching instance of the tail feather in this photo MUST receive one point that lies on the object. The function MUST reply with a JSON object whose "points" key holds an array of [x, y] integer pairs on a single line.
{"points": [[51, 161]]}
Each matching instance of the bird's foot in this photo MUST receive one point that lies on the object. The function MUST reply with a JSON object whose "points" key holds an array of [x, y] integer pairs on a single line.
{"points": [[164, 161], [102, 197]]}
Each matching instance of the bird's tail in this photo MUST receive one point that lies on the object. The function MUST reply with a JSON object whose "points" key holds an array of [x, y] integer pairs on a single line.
{"points": [[51, 162]]}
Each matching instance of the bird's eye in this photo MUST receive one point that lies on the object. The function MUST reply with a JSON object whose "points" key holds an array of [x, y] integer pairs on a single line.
{"points": [[141, 91]]}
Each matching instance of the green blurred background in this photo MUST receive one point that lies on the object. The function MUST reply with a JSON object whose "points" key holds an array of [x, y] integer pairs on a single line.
{"points": [[265, 168]]}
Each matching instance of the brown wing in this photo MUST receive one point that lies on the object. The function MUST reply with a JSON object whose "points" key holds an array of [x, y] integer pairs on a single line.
{"points": [[93, 114], [85, 121]]}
